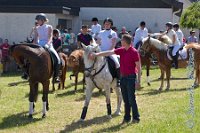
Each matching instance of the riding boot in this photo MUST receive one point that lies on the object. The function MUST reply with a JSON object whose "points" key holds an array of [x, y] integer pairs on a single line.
{"points": [[175, 60], [118, 77], [57, 73]]}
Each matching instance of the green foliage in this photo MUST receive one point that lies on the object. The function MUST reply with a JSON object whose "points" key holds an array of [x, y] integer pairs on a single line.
{"points": [[190, 18]]}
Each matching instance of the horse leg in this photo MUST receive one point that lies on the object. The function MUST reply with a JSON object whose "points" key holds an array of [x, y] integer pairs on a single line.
{"points": [[53, 85], [168, 74], [45, 98], [88, 94], [162, 79], [147, 72], [31, 99], [76, 80], [119, 100], [109, 111], [83, 82]]}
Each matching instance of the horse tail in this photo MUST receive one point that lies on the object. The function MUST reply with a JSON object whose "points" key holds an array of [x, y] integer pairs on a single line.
{"points": [[192, 45]]}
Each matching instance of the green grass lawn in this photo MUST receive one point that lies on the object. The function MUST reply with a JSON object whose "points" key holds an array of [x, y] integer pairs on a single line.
{"points": [[161, 112]]}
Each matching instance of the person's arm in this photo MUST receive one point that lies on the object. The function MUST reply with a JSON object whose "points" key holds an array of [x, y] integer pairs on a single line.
{"points": [[35, 40], [104, 53], [138, 66], [114, 41], [50, 35], [174, 39]]}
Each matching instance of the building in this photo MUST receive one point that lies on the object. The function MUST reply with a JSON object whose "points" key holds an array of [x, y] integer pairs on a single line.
{"points": [[17, 16]]}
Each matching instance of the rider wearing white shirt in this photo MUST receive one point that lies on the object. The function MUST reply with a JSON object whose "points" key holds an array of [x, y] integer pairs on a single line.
{"points": [[175, 42], [179, 33], [43, 37], [107, 40], [140, 33], [95, 28]]}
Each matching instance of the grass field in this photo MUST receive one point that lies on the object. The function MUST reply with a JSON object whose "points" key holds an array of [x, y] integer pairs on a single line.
{"points": [[161, 112]]}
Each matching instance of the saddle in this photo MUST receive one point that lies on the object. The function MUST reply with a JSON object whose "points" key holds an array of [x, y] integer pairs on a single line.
{"points": [[181, 53], [112, 67]]}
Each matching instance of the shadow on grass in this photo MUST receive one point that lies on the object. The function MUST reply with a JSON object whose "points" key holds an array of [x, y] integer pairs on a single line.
{"points": [[17, 120], [11, 74], [155, 92], [78, 125], [73, 84], [114, 128], [17, 83], [95, 94], [172, 78], [70, 92]]}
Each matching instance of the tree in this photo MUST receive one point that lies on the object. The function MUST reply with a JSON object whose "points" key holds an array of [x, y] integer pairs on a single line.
{"points": [[190, 18]]}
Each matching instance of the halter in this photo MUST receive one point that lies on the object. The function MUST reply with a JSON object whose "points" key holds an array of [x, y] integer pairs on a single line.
{"points": [[92, 76]]}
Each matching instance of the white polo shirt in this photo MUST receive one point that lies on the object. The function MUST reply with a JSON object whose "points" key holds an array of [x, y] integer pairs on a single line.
{"points": [[180, 35], [95, 29], [170, 35], [106, 37], [140, 34]]}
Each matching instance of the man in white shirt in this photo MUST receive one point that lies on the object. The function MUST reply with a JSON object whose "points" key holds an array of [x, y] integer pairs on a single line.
{"points": [[140, 33], [179, 33], [95, 28]]}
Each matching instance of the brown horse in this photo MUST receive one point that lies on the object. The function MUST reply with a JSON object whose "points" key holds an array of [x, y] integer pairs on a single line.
{"points": [[40, 71], [160, 50], [196, 48]]}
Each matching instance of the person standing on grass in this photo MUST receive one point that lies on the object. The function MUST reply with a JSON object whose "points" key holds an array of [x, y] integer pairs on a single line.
{"points": [[5, 55], [129, 66]]}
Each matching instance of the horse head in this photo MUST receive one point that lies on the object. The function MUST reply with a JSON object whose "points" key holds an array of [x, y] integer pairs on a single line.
{"points": [[145, 47]]}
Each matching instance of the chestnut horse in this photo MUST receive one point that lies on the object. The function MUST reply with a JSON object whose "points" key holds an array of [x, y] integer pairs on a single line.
{"points": [[160, 50], [40, 71], [196, 48]]}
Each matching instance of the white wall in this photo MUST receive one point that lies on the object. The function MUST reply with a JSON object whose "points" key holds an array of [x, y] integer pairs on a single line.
{"points": [[130, 17], [17, 26]]}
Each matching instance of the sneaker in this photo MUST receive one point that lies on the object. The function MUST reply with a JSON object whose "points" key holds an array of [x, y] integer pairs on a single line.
{"points": [[56, 80], [135, 121]]}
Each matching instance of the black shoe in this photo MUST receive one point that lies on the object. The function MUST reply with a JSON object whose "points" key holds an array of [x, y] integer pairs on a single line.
{"points": [[56, 80], [135, 121], [125, 122], [24, 76]]}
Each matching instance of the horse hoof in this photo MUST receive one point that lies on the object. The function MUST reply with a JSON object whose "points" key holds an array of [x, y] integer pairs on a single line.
{"points": [[160, 89], [44, 116], [109, 116], [167, 89], [30, 116], [117, 113], [81, 120], [149, 84]]}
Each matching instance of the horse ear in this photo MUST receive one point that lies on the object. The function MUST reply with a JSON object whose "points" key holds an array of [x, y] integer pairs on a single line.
{"points": [[83, 46]]}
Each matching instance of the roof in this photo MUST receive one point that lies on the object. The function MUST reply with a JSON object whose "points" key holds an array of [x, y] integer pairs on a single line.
{"points": [[73, 6]]}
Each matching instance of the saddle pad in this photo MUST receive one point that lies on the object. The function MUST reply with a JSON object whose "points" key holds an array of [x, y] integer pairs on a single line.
{"points": [[182, 54]]}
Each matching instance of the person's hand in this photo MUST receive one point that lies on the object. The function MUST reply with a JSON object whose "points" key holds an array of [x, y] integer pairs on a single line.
{"points": [[137, 85], [47, 46], [92, 56]]}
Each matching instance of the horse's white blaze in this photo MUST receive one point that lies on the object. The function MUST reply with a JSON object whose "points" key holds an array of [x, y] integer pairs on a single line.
{"points": [[44, 110], [30, 108]]}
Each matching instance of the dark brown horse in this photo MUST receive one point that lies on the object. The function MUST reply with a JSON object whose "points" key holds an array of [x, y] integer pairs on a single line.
{"points": [[160, 50], [40, 71]]}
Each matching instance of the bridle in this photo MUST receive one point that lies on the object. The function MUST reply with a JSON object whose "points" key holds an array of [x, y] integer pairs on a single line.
{"points": [[91, 68]]}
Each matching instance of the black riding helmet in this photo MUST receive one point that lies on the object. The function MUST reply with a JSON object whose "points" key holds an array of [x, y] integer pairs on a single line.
{"points": [[169, 24], [55, 31], [108, 20], [94, 19], [41, 16], [176, 25]]}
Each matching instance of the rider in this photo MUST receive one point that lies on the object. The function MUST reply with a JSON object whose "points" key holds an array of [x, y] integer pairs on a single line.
{"points": [[140, 33], [179, 33], [44, 34], [175, 42], [107, 40]]}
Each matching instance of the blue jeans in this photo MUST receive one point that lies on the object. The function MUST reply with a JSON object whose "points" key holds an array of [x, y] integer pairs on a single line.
{"points": [[127, 84]]}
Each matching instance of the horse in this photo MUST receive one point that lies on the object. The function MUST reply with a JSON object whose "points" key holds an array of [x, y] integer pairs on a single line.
{"points": [[160, 50], [196, 48], [146, 58], [97, 75], [40, 71]]}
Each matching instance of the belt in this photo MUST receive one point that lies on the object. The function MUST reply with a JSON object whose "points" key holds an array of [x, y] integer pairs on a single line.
{"points": [[127, 75]]}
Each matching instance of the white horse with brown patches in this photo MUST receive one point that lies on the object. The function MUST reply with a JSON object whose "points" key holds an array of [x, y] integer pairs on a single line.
{"points": [[97, 75]]}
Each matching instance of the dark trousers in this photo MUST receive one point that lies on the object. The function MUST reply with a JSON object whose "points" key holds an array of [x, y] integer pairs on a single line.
{"points": [[127, 84], [138, 44]]}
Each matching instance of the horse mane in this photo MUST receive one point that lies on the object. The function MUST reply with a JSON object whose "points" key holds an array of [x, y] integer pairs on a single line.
{"points": [[165, 39], [193, 45], [156, 43]]}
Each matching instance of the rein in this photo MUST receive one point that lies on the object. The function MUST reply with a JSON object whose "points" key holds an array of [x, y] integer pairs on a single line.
{"points": [[92, 76]]}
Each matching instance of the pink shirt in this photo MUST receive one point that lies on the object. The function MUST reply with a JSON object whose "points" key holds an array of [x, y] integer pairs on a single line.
{"points": [[5, 48], [127, 60]]}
